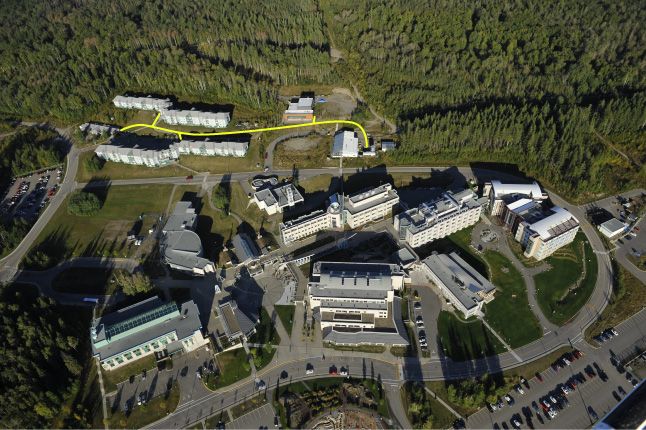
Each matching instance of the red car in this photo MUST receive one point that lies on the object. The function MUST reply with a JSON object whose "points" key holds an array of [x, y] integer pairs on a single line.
{"points": [[189, 178], [333, 371], [266, 155]]}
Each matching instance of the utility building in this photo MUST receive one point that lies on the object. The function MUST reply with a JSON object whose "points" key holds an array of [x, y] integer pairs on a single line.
{"points": [[299, 111], [346, 144]]}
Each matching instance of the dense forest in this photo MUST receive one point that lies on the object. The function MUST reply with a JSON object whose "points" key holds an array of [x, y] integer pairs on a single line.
{"points": [[41, 361], [556, 87], [65, 59]]}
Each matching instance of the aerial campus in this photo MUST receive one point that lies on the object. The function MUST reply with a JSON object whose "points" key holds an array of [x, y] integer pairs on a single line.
{"points": [[374, 291], [323, 214]]}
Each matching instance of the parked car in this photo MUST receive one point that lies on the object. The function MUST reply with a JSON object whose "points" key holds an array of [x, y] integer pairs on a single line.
{"points": [[261, 385], [343, 372], [417, 305]]}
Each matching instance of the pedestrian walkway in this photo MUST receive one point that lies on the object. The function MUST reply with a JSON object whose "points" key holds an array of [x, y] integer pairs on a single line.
{"points": [[446, 405], [506, 345]]}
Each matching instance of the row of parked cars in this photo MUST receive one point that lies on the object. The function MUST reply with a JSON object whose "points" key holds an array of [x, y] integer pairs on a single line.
{"points": [[606, 335]]}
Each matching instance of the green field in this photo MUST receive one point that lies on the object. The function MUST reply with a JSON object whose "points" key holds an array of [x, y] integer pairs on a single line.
{"points": [[556, 297], [466, 340], [103, 234], [286, 315], [112, 377], [233, 366], [510, 303]]}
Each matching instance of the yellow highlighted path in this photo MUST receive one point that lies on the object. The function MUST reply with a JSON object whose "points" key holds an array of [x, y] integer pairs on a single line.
{"points": [[314, 122]]}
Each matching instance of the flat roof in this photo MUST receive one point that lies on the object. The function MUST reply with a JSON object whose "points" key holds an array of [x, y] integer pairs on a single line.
{"points": [[142, 322], [555, 224], [532, 190], [463, 281], [280, 195], [613, 226], [192, 113], [346, 144], [369, 198], [629, 413]]}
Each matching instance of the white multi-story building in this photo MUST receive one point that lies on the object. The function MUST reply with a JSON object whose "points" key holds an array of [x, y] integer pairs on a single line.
{"points": [[275, 199], [312, 223], [145, 328], [369, 205], [180, 246], [143, 103], [139, 150], [97, 129], [539, 230], [346, 144], [499, 194], [438, 218], [223, 148], [355, 302], [195, 117], [461, 284]]}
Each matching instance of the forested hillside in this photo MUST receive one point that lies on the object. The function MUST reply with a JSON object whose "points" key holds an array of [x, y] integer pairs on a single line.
{"points": [[40, 363], [556, 87], [64, 59], [524, 82]]}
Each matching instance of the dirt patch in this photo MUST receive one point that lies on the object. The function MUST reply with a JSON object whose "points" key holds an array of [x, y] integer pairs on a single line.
{"points": [[302, 143], [339, 105]]}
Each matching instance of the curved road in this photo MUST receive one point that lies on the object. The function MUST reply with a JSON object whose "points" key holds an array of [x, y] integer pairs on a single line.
{"points": [[408, 368]]}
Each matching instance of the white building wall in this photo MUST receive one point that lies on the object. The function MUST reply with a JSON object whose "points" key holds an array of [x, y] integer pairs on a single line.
{"points": [[442, 228]]}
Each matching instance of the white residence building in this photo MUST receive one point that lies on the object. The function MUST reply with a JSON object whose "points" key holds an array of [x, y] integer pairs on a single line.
{"points": [[207, 147], [275, 199], [144, 328], [138, 150], [461, 284], [539, 230], [180, 246], [346, 144], [310, 224], [440, 217], [372, 204], [142, 103], [356, 304], [195, 117]]}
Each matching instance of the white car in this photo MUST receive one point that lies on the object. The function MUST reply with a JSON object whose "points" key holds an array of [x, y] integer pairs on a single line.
{"points": [[565, 390], [551, 412], [615, 332], [343, 372], [553, 400], [420, 324], [519, 389], [261, 385], [309, 371]]}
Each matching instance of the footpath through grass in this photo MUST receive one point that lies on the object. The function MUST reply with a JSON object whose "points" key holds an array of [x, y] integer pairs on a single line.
{"points": [[286, 315], [466, 340], [509, 312], [563, 290]]}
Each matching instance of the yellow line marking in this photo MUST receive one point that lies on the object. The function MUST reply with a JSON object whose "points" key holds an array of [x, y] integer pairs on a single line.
{"points": [[157, 118], [314, 123]]}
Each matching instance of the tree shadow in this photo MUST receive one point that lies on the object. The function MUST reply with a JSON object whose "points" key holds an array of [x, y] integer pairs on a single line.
{"points": [[52, 250]]}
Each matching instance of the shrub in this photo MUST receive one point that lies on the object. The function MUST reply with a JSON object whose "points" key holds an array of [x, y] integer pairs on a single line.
{"points": [[83, 204], [94, 164]]}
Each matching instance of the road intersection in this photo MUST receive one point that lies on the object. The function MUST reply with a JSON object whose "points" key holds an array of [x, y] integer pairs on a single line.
{"points": [[392, 374]]}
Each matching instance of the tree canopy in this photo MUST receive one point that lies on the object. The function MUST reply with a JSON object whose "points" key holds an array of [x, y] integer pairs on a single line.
{"points": [[83, 203]]}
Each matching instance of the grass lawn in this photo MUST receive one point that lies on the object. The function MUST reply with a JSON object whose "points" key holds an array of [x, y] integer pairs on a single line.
{"points": [[233, 366], [112, 377], [510, 303], [466, 340], [518, 252], [80, 280], [103, 234], [215, 164], [152, 411], [628, 298], [316, 183], [250, 212], [197, 426], [556, 297], [247, 406], [286, 315], [114, 170], [265, 334], [459, 242], [496, 384]]}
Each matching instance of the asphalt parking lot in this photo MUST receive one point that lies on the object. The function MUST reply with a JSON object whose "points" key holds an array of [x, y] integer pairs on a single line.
{"points": [[430, 308], [28, 195], [590, 398], [263, 417]]}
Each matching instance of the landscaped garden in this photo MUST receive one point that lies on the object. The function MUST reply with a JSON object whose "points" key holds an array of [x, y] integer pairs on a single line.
{"points": [[564, 289]]}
